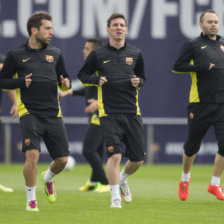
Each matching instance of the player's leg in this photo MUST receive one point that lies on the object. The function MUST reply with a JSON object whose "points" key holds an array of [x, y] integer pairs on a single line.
{"points": [[113, 174], [55, 138], [215, 186], [92, 142], [187, 164], [89, 152], [198, 124], [113, 133], [135, 151], [30, 174], [100, 150], [130, 168], [104, 186], [31, 127]]}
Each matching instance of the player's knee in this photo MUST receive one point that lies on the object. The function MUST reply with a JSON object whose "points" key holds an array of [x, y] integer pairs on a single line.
{"points": [[139, 163], [32, 155], [115, 159], [191, 149], [86, 151], [62, 160]]}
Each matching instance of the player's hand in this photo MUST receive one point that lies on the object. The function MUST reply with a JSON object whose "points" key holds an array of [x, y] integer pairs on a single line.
{"points": [[14, 111], [102, 80], [211, 66], [135, 81], [93, 106], [28, 80], [65, 81], [64, 94]]}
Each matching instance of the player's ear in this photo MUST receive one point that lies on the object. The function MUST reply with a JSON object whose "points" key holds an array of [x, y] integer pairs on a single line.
{"points": [[34, 30]]}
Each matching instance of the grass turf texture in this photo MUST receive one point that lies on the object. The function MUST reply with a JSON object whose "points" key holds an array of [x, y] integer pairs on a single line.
{"points": [[155, 198]]}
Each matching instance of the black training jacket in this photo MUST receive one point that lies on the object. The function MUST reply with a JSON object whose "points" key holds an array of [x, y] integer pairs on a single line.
{"points": [[195, 57], [118, 66], [46, 65]]}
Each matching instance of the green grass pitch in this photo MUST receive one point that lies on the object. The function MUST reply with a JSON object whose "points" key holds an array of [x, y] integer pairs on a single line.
{"points": [[155, 198]]}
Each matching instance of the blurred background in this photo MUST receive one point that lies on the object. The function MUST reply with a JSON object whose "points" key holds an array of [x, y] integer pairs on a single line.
{"points": [[158, 27]]}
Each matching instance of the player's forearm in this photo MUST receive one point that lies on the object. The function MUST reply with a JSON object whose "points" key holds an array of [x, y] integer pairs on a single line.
{"points": [[12, 96], [12, 83]]}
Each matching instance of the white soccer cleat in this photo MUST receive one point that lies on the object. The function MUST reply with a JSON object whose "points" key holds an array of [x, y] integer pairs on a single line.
{"points": [[116, 203], [125, 192]]}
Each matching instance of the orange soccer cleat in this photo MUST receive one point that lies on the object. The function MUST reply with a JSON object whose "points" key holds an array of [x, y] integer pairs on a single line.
{"points": [[183, 190], [217, 190]]}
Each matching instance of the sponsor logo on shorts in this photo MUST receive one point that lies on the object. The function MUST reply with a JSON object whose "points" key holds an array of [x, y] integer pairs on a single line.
{"points": [[27, 141], [191, 115], [110, 149]]}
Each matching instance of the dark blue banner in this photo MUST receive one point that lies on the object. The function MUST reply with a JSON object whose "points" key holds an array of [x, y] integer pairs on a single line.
{"points": [[158, 27]]}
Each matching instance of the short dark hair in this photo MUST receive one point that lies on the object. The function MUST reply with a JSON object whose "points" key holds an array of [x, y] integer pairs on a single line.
{"points": [[203, 14], [36, 20], [115, 16], [97, 42]]}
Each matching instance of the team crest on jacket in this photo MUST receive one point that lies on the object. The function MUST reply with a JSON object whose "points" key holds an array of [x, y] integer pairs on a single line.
{"points": [[129, 60], [222, 47], [49, 58]]}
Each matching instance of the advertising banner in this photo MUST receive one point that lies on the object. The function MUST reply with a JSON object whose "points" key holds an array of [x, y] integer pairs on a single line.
{"points": [[158, 27]]}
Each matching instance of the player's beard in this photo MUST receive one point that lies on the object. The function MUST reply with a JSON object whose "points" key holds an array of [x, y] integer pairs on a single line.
{"points": [[209, 32], [42, 41]]}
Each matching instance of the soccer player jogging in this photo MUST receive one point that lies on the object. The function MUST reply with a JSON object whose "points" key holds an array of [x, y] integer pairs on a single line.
{"points": [[93, 145], [120, 73], [36, 69], [203, 57]]}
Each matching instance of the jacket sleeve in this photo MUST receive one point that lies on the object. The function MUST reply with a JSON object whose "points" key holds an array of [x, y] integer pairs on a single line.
{"points": [[184, 62], [61, 70], [87, 74], [139, 70], [6, 76]]}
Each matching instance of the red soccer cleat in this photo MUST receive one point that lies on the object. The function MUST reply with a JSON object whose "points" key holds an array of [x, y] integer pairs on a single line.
{"points": [[183, 190], [217, 191]]}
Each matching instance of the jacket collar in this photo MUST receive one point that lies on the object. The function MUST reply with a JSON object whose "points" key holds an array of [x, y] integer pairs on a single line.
{"points": [[113, 48], [31, 49], [205, 37]]}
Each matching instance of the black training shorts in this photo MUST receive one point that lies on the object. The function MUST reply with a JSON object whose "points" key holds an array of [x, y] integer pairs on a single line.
{"points": [[127, 129], [51, 129], [200, 118]]}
